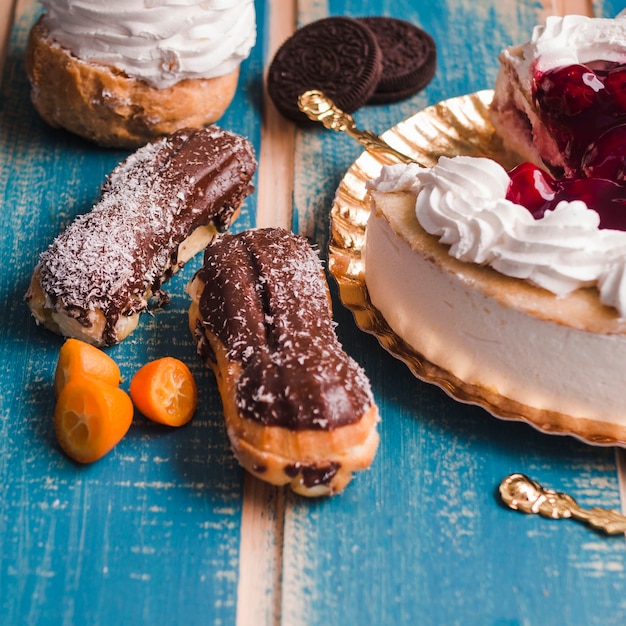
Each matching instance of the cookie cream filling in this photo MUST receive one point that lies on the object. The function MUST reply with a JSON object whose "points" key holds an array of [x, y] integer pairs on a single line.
{"points": [[159, 41], [462, 200]]}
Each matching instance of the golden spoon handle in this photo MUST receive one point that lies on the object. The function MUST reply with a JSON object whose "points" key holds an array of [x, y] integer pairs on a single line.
{"points": [[523, 494], [317, 106]]}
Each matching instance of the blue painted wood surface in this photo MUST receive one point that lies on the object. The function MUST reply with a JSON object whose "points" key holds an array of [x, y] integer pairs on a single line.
{"points": [[151, 533]]}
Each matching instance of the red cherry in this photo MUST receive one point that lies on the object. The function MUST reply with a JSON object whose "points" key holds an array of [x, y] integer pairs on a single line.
{"points": [[535, 190], [531, 187], [567, 90], [615, 84], [606, 157], [605, 197]]}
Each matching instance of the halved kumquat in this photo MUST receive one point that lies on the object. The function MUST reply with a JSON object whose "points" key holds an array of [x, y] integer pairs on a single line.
{"points": [[91, 417], [78, 359], [165, 391]]}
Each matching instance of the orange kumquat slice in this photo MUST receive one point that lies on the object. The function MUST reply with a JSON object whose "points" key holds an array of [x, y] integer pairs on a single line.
{"points": [[165, 391], [91, 417], [78, 359]]}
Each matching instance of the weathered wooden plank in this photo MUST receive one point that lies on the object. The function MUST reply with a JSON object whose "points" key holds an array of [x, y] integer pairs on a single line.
{"points": [[567, 7], [260, 555], [7, 14], [274, 203]]}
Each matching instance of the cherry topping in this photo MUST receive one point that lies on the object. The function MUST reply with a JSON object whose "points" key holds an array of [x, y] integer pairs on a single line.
{"points": [[539, 192], [567, 91], [605, 197], [615, 84], [577, 104], [606, 157], [531, 187], [583, 107]]}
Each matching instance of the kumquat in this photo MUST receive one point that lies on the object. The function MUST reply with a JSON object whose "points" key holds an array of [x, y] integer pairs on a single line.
{"points": [[165, 391]]}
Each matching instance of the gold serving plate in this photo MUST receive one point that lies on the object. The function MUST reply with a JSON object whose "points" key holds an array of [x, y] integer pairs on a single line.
{"points": [[453, 127]]}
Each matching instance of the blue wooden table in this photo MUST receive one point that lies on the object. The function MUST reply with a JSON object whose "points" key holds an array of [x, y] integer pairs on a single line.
{"points": [[167, 529]]}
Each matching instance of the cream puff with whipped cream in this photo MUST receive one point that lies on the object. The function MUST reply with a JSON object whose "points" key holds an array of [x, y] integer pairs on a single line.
{"points": [[125, 72]]}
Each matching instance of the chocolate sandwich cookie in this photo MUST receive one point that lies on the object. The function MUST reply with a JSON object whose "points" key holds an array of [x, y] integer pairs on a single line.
{"points": [[409, 57], [337, 55]]}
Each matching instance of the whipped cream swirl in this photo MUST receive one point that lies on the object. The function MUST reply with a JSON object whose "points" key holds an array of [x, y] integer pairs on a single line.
{"points": [[462, 200], [159, 41]]}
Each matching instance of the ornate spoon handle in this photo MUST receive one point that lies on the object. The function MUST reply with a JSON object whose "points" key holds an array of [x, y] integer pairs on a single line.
{"points": [[320, 108], [523, 494]]}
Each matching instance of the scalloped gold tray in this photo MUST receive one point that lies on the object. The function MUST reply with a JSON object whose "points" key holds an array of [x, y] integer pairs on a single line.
{"points": [[457, 126]]}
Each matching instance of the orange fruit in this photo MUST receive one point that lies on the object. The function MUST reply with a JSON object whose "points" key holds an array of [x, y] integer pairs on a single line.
{"points": [[78, 359], [90, 418], [165, 391]]}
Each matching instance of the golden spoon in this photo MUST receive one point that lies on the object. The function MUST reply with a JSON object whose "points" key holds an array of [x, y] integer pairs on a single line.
{"points": [[523, 494], [317, 106]]}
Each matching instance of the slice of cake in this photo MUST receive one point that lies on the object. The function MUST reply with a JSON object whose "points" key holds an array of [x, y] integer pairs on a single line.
{"points": [[525, 314], [512, 286], [560, 99]]}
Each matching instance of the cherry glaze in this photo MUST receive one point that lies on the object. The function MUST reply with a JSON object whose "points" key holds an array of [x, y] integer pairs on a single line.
{"points": [[579, 104], [584, 109], [539, 192]]}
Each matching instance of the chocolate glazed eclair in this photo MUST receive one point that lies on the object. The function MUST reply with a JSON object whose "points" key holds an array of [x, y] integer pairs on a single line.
{"points": [[298, 409], [158, 208]]}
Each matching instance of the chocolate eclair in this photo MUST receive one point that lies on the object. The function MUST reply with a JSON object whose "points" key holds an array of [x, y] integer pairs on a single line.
{"points": [[158, 208], [298, 409]]}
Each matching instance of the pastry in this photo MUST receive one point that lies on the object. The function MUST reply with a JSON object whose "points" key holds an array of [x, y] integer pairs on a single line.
{"points": [[525, 314], [298, 409], [559, 99], [126, 72], [158, 208]]}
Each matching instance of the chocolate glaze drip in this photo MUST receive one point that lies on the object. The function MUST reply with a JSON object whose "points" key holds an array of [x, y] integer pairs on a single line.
{"points": [[266, 300], [127, 245]]}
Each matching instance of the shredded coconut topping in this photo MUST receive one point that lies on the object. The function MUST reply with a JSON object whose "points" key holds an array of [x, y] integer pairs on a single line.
{"points": [[114, 257], [265, 298]]}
